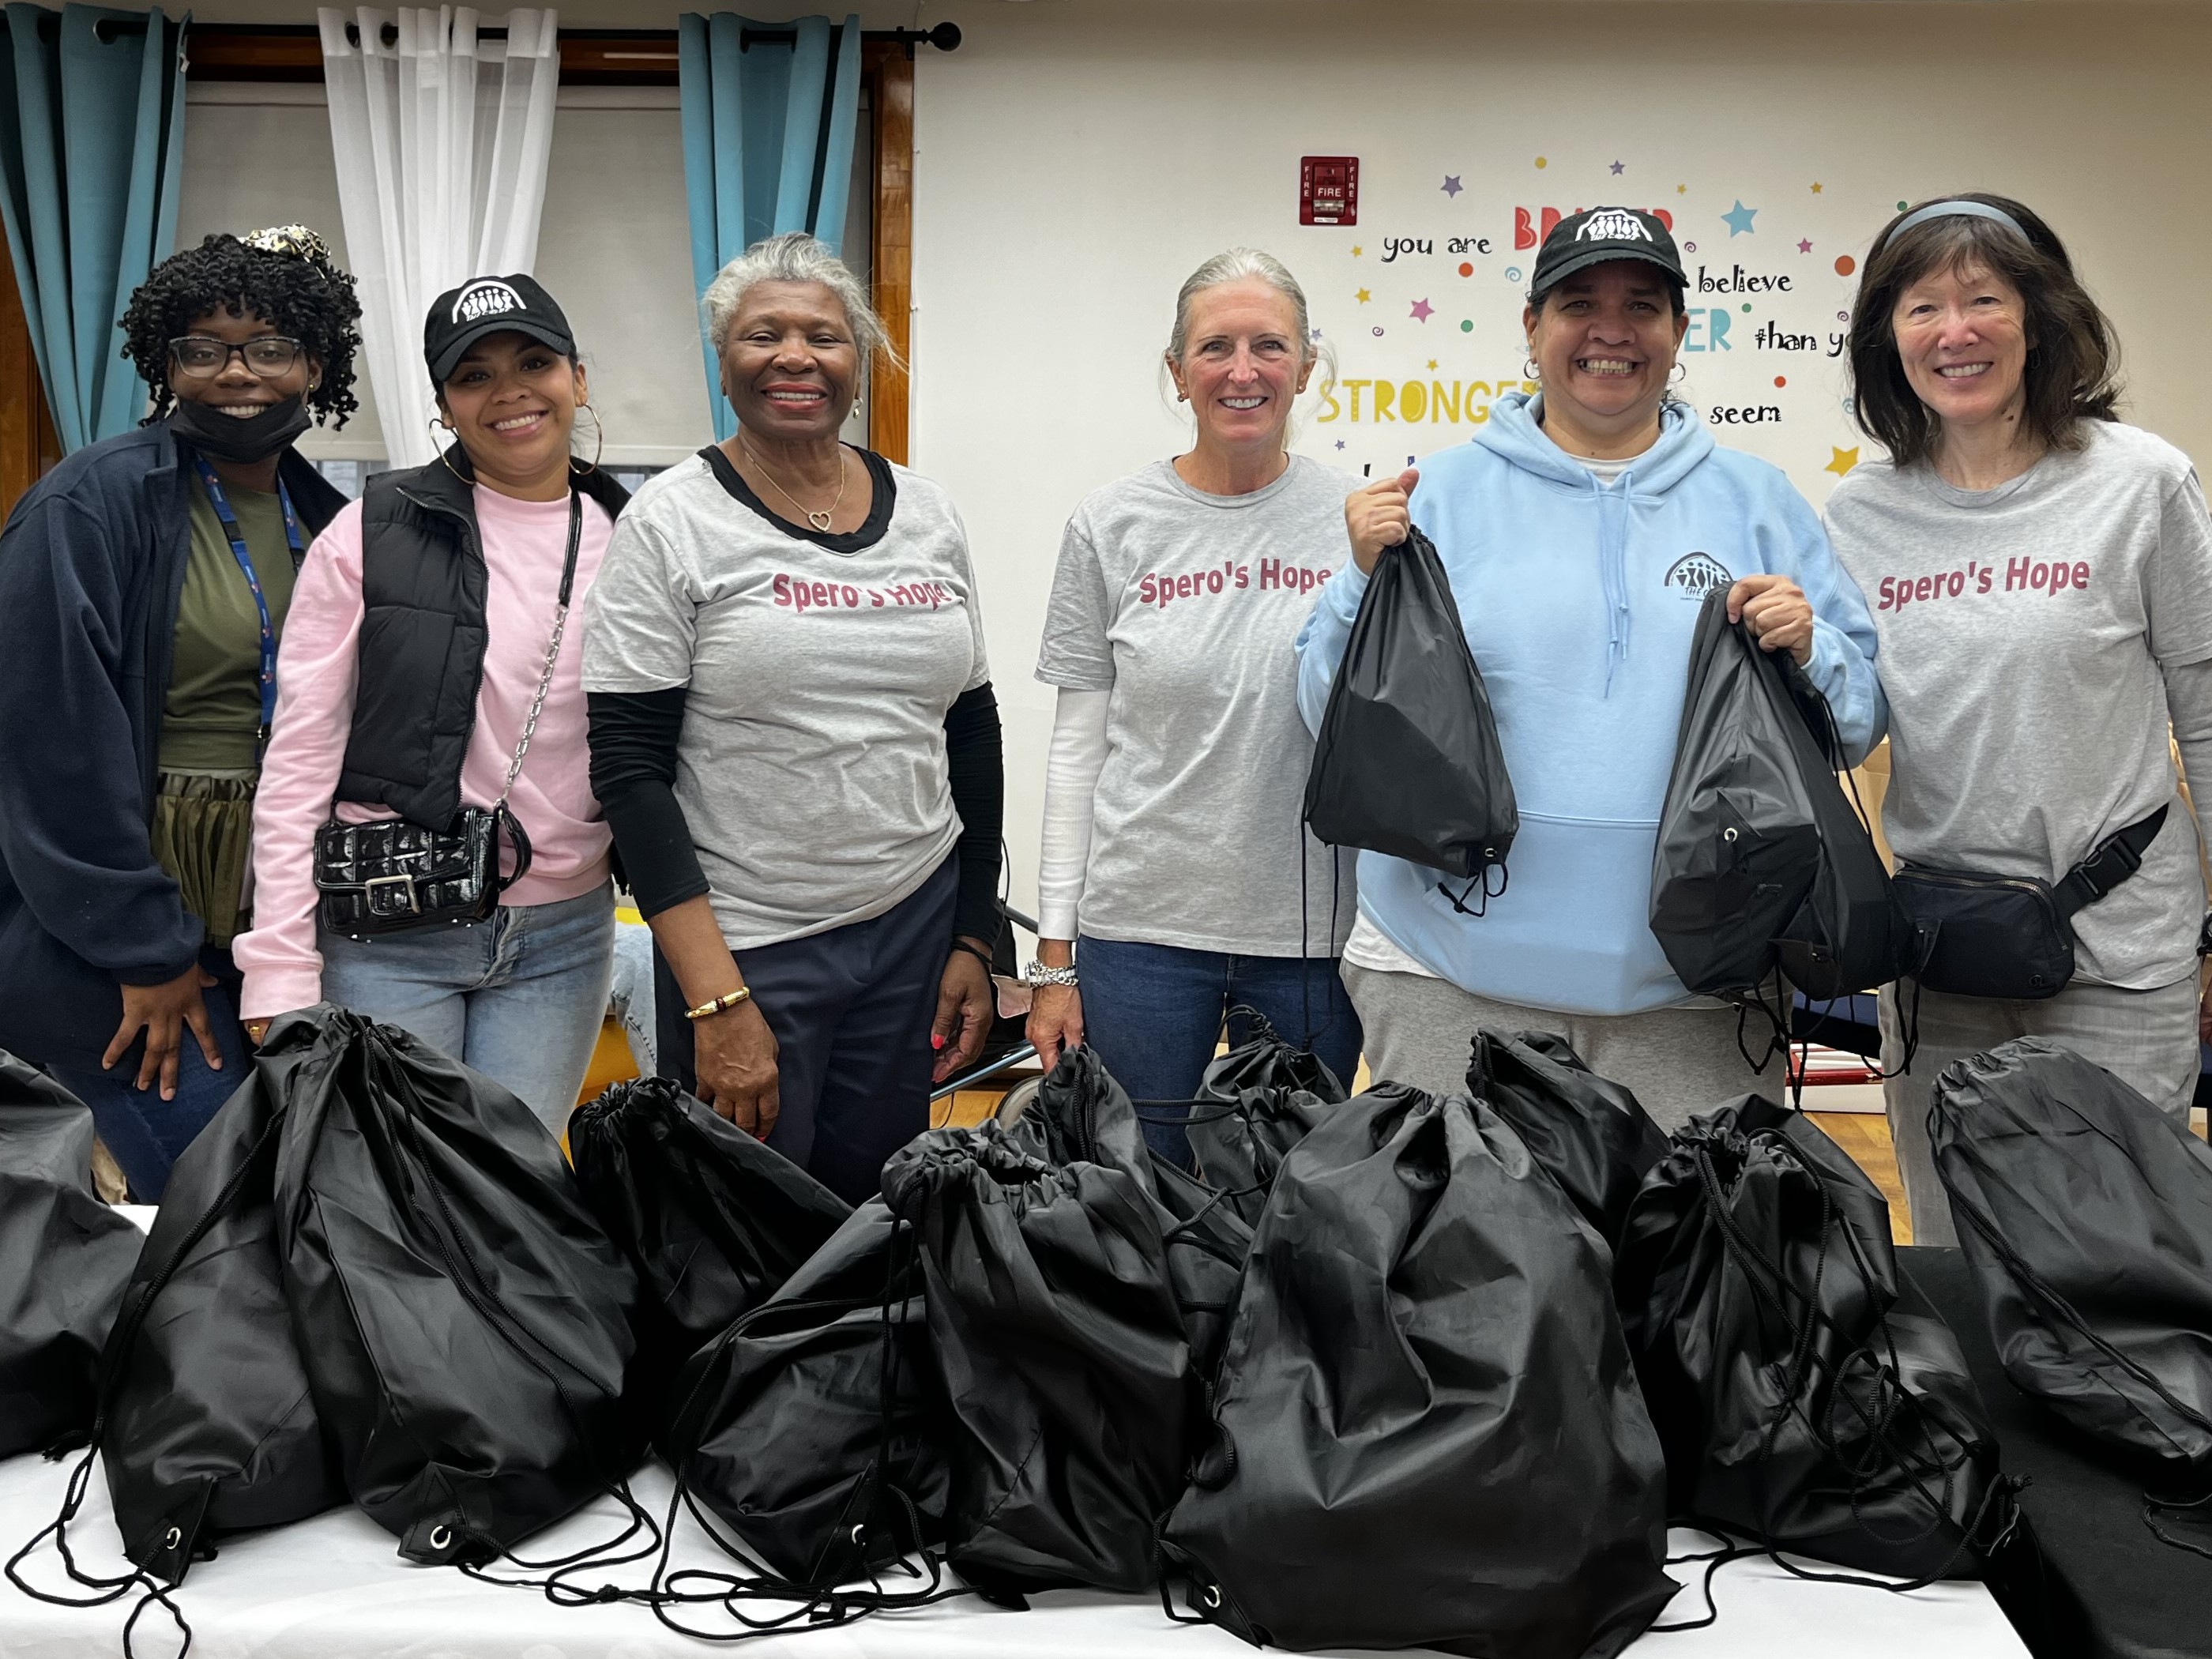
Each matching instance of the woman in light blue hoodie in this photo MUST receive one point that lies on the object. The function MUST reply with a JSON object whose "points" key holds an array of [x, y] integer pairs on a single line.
{"points": [[1581, 530]]}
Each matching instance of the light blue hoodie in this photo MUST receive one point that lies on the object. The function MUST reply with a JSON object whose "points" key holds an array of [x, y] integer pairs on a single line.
{"points": [[1579, 601]]}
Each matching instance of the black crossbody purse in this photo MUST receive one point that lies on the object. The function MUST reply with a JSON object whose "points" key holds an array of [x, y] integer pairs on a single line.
{"points": [[2012, 937], [389, 876]]}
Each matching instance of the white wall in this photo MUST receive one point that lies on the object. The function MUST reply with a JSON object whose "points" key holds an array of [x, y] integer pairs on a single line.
{"points": [[1078, 158]]}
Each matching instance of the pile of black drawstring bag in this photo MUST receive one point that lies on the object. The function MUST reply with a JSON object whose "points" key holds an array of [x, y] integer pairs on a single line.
{"points": [[1404, 1369], [2087, 1215], [64, 1260], [371, 1278]]}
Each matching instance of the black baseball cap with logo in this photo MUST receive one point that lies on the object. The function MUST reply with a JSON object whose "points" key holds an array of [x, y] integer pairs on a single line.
{"points": [[490, 305], [1596, 235]]}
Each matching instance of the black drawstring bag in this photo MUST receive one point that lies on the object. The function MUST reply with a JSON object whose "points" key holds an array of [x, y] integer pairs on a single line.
{"points": [[813, 1428], [1265, 1061], [1588, 1132], [2086, 1213], [64, 1260], [1061, 1351], [1407, 760], [465, 1321], [1808, 1396], [1762, 861], [1080, 1114], [712, 1220], [1428, 1432], [207, 1427]]}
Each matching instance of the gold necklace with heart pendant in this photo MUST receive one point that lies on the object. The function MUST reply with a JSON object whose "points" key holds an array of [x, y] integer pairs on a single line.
{"points": [[819, 520]]}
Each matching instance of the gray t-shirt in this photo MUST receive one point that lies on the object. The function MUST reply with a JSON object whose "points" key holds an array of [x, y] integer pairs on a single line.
{"points": [[811, 770], [1184, 607], [2023, 632]]}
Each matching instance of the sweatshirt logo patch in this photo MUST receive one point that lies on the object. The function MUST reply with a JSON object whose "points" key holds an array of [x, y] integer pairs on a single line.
{"points": [[1696, 574]]}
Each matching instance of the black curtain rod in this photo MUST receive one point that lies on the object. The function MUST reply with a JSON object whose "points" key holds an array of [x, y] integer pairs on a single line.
{"points": [[945, 37]]}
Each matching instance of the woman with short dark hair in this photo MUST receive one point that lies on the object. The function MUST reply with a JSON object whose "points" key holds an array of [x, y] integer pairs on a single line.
{"points": [[144, 584], [2041, 579]]}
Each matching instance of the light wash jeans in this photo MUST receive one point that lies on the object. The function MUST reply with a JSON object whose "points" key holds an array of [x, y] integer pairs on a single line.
{"points": [[630, 999], [2148, 1039], [520, 998]]}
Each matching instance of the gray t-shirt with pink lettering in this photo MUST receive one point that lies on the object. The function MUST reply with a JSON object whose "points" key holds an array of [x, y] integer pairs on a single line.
{"points": [[811, 770], [1184, 606], [2024, 633]]}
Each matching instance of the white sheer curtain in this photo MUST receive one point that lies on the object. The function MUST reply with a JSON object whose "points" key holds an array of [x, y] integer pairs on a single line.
{"points": [[441, 139]]}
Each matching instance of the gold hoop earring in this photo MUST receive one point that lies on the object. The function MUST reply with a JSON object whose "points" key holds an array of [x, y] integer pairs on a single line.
{"points": [[1681, 373], [446, 451], [599, 440]]}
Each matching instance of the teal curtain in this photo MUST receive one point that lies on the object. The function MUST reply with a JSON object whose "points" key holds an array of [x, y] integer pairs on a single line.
{"points": [[767, 140], [92, 135]]}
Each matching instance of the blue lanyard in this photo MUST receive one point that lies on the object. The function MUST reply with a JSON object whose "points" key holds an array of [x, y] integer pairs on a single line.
{"points": [[237, 537]]}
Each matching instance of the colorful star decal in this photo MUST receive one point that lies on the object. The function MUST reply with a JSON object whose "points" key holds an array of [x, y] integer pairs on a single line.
{"points": [[1739, 219], [1804, 246], [1842, 461], [1340, 443], [1355, 250], [1422, 311], [1816, 190], [1681, 190], [1619, 168], [1363, 296], [1432, 363], [1451, 185]]}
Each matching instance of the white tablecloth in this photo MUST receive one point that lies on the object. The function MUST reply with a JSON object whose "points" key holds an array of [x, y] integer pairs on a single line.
{"points": [[333, 1588]]}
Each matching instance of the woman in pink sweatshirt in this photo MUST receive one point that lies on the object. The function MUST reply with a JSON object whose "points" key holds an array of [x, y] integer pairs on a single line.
{"points": [[417, 642]]}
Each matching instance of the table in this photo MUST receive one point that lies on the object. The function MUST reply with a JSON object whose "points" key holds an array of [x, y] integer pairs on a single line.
{"points": [[2121, 1595], [333, 1588]]}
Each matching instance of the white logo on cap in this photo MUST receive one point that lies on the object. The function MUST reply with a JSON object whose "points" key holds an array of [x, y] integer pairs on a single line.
{"points": [[1612, 225], [488, 298]]}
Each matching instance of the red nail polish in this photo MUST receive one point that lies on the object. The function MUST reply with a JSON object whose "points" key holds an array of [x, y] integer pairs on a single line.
{"points": [[935, 1041]]}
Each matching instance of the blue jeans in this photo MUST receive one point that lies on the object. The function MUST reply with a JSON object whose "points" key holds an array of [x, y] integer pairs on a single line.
{"points": [[145, 1133], [520, 998], [1154, 1012]]}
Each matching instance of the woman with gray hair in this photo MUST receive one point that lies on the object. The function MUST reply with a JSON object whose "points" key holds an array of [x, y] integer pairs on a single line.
{"points": [[1173, 840], [795, 742]]}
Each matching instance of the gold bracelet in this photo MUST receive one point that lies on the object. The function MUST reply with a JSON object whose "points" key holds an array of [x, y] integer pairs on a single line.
{"points": [[744, 993]]}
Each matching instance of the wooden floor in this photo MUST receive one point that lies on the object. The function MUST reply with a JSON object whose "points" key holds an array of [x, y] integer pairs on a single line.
{"points": [[1864, 1135]]}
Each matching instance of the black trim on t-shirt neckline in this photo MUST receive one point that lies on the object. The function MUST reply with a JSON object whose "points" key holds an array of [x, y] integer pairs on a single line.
{"points": [[853, 541]]}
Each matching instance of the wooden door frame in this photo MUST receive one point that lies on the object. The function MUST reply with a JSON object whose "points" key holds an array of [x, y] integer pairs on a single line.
{"points": [[29, 445]]}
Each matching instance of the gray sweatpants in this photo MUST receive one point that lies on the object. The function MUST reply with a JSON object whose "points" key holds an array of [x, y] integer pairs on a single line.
{"points": [[2146, 1038], [1677, 1060]]}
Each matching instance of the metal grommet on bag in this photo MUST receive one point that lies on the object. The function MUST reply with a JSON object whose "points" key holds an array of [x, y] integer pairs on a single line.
{"points": [[173, 1537], [1729, 833], [440, 1536], [1210, 1596], [859, 1534]]}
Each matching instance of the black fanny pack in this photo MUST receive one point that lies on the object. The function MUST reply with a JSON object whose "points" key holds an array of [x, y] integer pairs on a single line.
{"points": [[2012, 936]]}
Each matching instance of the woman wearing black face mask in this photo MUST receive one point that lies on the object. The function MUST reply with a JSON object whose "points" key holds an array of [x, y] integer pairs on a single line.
{"points": [[143, 590]]}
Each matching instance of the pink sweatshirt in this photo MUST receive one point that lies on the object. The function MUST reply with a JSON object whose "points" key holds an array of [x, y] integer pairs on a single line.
{"points": [[524, 543]]}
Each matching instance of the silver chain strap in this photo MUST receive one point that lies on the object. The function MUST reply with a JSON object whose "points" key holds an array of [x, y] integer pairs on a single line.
{"points": [[552, 653], [536, 707]]}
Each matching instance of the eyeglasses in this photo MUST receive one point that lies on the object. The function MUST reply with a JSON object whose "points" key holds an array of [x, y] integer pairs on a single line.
{"points": [[201, 356]]}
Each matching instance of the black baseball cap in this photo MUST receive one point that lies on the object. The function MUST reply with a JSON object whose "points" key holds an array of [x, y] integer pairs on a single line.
{"points": [[1595, 235], [489, 304]]}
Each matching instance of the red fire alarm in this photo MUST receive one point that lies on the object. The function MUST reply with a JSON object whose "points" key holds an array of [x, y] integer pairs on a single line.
{"points": [[1328, 190]]}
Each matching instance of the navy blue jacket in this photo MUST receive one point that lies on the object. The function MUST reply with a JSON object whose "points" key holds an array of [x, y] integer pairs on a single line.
{"points": [[92, 565]]}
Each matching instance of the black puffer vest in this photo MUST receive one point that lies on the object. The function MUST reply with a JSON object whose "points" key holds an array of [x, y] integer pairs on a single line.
{"points": [[421, 658]]}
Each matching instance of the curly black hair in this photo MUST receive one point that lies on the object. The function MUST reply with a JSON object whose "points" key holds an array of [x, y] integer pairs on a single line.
{"points": [[304, 294]]}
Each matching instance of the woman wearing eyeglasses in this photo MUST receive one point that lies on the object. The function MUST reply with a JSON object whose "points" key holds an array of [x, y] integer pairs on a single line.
{"points": [[143, 585]]}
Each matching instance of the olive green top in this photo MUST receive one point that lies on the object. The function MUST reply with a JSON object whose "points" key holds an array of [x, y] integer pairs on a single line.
{"points": [[203, 822], [213, 711]]}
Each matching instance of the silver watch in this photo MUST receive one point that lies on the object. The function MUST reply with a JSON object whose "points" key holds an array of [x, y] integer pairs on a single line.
{"points": [[1038, 974]]}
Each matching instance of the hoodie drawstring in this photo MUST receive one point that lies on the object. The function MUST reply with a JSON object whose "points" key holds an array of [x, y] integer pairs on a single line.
{"points": [[1612, 555]]}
